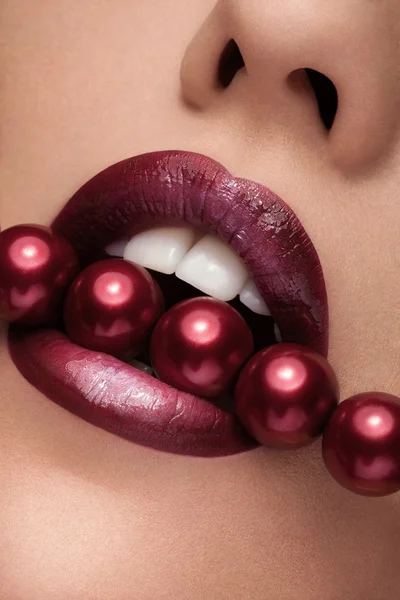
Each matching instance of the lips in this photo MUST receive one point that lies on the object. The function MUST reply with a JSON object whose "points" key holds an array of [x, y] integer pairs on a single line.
{"points": [[175, 188]]}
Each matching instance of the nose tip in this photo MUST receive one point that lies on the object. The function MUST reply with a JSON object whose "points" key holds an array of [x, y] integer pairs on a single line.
{"points": [[310, 64]]}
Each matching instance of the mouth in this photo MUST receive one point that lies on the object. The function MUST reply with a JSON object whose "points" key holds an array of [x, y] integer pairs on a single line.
{"points": [[199, 230]]}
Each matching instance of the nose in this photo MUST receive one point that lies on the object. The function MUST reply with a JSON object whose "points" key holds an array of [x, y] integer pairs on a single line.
{"points": [[311, 68]]}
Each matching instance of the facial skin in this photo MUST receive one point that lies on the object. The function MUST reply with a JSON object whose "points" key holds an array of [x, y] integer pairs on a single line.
{"points": [[84, 514]]}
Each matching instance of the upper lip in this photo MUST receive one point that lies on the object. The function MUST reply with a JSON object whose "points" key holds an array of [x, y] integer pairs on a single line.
{"points": [[180, 186], [133, 195]]}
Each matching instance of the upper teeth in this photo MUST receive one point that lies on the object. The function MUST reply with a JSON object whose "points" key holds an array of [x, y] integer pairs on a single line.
{"points": [[251, 297], [213, 267], [205, 262], [160, 249]]}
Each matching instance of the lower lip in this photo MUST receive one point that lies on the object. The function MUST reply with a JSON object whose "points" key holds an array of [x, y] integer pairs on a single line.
{"points": [[124, 400]]}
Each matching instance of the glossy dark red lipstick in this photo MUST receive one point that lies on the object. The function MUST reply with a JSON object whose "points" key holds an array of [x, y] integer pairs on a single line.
{"points": [[193, 189], [123, 400], [175, 187]]}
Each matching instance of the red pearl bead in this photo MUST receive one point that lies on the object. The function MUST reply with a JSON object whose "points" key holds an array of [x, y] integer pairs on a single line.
{"points": [[361, 445], [36, 267], [285, 396], [112, 307], [199, 345]]}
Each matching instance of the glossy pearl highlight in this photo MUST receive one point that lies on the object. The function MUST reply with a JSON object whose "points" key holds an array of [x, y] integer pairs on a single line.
{"points": [[36, 267], [361, 445], [112, 307], [199, 345], [285, 396]]}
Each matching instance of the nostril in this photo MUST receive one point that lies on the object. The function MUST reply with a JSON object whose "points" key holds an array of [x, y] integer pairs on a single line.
{"points": [[230, 62], [326, 96]]}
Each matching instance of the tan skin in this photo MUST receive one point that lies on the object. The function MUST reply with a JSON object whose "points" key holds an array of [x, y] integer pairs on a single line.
{"points": [[84, 514]]}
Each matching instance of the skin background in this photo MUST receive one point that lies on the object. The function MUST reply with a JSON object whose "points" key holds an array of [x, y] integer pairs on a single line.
{"points": [[84, 514]]}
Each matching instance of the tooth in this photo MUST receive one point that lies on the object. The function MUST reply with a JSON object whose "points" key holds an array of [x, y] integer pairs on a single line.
{"points": [[162, 248], [213, 267], [142, 367], [117, 248], [278, 335], [251, 297]]}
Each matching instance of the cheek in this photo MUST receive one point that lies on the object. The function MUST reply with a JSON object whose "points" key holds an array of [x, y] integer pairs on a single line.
{"points": [[112, 93]]}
